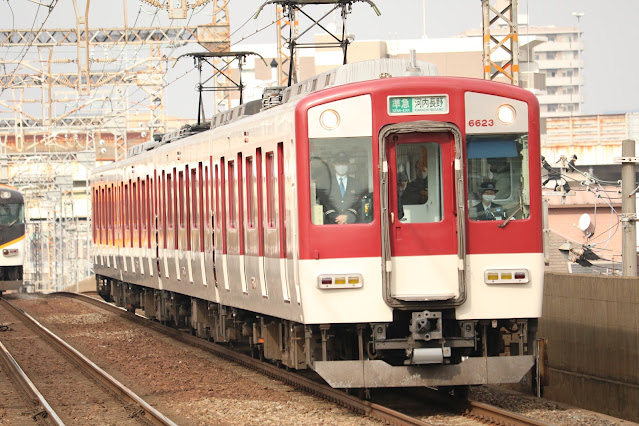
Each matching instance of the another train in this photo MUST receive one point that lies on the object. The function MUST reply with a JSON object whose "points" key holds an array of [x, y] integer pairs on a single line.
{"points": [[12, 238], [245, 234]]}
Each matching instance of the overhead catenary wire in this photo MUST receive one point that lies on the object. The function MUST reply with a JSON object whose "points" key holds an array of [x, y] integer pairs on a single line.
{"points": [[26, 48]]}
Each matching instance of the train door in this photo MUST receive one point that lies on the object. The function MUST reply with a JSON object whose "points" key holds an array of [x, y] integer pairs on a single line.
{"points": [[423, 235], [275, 276]]}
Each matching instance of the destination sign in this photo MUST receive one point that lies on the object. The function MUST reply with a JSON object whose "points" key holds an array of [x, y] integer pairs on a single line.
{"points": [[414, 105]]}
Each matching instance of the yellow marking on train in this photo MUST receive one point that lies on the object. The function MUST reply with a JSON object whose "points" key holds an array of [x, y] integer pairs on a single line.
{"points": [[12, 242]]}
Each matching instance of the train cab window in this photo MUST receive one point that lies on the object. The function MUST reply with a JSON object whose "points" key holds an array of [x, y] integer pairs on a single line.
{"points": [[498, 177], [341, 180], [419, 182]]}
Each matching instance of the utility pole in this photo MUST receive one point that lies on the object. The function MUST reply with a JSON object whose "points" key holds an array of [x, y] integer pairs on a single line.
{"points": [[629, 208]]}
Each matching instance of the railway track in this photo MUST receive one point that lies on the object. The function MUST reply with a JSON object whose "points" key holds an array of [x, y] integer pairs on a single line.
{"points": [[135, 406], [41, 411], [482, 413]]}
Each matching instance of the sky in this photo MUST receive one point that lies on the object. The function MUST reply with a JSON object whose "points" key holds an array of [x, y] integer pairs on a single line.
{"points": [[610, 33]]}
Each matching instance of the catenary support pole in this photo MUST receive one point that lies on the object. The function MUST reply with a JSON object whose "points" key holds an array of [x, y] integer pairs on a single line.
{"points": [[628, 208]]}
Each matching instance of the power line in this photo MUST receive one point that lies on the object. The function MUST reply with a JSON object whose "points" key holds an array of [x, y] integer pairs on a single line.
{"points": [[28, 46]]}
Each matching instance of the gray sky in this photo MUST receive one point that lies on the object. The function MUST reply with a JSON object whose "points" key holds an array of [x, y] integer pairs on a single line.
{"points": [[610, 33]]}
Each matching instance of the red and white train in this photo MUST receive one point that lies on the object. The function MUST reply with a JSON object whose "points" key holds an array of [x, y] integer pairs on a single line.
{"points": [[245, 234]]}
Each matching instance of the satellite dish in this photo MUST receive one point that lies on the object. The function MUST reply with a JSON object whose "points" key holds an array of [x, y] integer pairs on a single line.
{"points": [[586, 225]]}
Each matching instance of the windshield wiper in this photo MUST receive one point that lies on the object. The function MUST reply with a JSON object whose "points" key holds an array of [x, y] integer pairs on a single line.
{"points": [[12, 223], [507, 221]]}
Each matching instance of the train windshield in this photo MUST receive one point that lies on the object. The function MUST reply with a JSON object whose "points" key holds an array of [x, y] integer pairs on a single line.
{"points": [[341, 180], [11, 214], [498, 177]]}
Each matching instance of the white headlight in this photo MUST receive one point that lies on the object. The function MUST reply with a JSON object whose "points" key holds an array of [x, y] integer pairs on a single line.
{"points": [[506, 114], [329, 119], [6, 194]]}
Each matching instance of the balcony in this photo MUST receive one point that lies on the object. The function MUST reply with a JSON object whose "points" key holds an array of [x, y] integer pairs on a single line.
{"points": [[559, 64], [558, 99], [559, 46], [562, 81]]}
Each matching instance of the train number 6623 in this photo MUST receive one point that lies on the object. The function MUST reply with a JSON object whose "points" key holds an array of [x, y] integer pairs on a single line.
{"points": [[481, 123]]}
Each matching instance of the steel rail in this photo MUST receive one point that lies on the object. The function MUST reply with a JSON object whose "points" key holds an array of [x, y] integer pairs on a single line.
{"points": [[478, 410], [147, 412], [326, 392], [485, 412], [43, 412]]}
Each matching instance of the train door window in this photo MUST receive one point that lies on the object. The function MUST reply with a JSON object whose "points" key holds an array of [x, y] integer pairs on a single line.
{"points": [[149, 209], [105, 210], [94, 215], [240, 202], [143, 211], [166, 206], [127, 216], [232, 187], [498, 179], [218, 204], [195, 211], [419, 182], [260, 198], [199, 208], [181, 199], [174, 191], [134, 206], [281, 196], [111, 206], [250, 193], [169, 200], [341, 180], [270, 190], [207, 199]]}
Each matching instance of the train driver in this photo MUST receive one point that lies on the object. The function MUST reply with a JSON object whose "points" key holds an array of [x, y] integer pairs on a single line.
{"points": [[486, 209], [341, 200]]}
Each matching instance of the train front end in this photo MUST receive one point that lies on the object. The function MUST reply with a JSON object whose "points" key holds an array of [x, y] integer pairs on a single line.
{"points": [[425, 267], [12, 238]]}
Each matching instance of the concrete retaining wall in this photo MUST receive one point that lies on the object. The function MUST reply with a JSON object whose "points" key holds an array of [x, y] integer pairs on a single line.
{"points": [[592, 326]]}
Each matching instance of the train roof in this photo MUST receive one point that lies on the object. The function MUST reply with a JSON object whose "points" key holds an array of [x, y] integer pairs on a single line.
{"points": [[374, 69]]}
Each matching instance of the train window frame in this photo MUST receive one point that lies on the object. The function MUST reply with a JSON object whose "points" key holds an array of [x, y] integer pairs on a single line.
{"points": [[250, 192], [231, 182], [409, 156], [322, 184], [181, 200], [500, 159], [194, 198], [270, 190], [207, 198], [169, 201], [143, 204]]}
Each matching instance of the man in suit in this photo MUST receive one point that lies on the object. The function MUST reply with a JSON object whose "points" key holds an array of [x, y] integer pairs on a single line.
{"points": [[486, 209], [341, 200]]}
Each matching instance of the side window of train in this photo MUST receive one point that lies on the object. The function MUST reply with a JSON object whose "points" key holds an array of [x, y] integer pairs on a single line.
{"points": [[341, 184], [498, 177], [419, 182]]}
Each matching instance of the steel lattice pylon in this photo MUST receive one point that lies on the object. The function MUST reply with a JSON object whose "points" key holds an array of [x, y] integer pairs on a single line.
{"points": [[492, 17]]}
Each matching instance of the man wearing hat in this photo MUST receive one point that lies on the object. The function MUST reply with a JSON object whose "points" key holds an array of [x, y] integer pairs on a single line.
{"points": [[487, 210], [341, 200]]}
